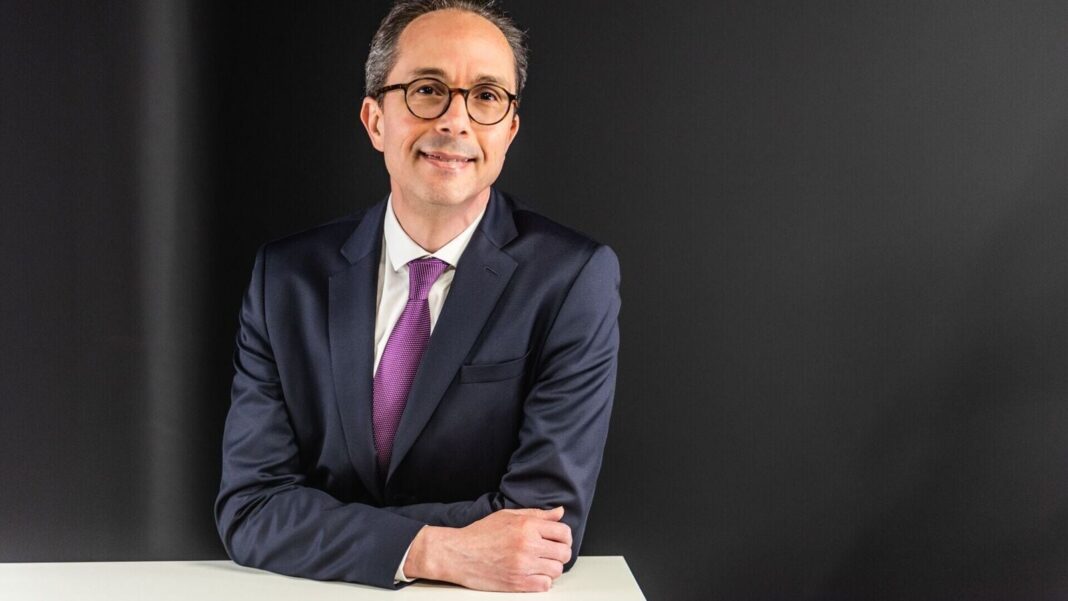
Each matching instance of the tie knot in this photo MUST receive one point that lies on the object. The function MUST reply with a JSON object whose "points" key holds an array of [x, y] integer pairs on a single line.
{"points": [[422, 273]]}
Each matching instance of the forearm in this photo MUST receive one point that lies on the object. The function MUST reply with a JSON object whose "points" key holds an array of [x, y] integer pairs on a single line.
{"points": [[453, 515], [305, 532], [463, 513]]}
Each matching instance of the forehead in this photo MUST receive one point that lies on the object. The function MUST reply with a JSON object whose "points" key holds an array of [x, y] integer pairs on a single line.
{"points": [[460, 44]]}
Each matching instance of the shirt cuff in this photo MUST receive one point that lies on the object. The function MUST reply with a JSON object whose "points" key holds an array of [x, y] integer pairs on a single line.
{"points": [[399, 576]]}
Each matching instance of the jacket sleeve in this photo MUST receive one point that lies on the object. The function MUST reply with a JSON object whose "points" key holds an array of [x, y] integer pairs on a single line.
{"points": [[266, 516], [565, 414]]}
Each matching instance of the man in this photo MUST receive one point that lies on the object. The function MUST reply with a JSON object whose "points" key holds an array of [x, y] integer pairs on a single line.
{"points": [[423, 389]]}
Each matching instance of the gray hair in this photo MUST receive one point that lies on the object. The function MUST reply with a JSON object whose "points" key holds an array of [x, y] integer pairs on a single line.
{"points": [[383, 54]]}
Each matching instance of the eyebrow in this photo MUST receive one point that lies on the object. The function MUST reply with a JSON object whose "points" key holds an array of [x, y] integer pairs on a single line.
{"points": [[435, 72]]}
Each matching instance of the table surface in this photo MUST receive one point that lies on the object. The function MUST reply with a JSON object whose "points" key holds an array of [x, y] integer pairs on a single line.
{"points": [[591, 579]]}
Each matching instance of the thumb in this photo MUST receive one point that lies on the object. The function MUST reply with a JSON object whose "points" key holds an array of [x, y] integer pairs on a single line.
{"points": [[555, 514]]}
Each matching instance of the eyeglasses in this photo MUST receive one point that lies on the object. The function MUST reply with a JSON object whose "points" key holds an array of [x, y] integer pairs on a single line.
{"points": [[429, 98]]}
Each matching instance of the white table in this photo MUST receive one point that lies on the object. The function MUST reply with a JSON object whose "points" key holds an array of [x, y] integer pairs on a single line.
{"points": [[591, 579]]}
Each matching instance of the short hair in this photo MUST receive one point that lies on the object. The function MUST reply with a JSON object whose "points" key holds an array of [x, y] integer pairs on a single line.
{"points": [[383, 55]]}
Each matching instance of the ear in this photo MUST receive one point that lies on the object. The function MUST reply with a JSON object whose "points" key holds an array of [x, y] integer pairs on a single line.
{"points": [[513, 128], [371, 117]]}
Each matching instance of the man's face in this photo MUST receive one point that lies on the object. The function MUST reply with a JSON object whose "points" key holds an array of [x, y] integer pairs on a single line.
{"points": [[461, 49]]}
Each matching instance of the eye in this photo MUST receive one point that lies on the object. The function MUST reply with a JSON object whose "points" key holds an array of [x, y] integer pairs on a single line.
{"points": [[487, 94], [427, 90]]}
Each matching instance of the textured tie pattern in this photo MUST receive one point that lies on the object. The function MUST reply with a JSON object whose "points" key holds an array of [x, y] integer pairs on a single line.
{"points": [[400, 359]]}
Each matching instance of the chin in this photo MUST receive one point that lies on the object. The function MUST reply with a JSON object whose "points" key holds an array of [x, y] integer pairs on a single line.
{"points": [[448, 198]]}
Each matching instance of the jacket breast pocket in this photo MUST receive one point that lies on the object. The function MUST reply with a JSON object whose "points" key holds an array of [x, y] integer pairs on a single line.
{"points": [[493, 372]]}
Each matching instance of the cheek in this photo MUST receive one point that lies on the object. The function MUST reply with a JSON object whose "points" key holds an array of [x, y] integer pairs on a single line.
{"points": [[394, 155], [496, 147], [397, 150], [397, 137]]}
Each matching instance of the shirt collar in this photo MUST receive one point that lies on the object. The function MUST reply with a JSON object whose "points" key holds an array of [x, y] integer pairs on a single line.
{"points": [[401, 249]]}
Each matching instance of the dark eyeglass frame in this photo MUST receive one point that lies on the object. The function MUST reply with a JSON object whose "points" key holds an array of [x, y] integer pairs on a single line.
{"points": [[512, 98]]}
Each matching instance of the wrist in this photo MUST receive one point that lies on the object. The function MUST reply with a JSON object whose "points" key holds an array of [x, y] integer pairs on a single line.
{"points": [[423, 556]]}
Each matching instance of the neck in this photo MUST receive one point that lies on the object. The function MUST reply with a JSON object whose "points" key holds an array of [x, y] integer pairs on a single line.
{"points": [[432, 226]]}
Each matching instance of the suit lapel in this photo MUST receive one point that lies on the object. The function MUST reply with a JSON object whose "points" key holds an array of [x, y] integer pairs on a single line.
{"points": [[481, 276], [352, 309]]}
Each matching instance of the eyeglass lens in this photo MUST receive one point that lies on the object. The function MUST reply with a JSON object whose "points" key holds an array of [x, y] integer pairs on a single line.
{"points": [[486, 103]]}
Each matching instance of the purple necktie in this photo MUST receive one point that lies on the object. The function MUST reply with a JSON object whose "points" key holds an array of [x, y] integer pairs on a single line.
{"points": [[400, 360]]}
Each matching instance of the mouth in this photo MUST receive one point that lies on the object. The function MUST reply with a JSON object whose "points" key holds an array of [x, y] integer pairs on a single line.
{"points": [[446, 160]]}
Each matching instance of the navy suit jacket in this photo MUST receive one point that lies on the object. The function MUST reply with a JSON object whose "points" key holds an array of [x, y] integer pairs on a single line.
{"points": [[509, 408]]}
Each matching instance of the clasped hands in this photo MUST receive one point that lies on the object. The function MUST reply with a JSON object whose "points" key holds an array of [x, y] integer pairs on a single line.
{"points": [[508, 550]]}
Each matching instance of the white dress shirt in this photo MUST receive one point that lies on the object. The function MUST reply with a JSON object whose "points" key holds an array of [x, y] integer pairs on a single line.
{"points": [[397, 250]]}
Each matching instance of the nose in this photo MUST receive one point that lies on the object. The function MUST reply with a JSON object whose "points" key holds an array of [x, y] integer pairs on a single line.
{"points": [[455, 121]]}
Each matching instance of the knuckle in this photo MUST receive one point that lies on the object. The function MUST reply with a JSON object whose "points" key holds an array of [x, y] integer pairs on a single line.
{"points": [[514, 564], [519, 543], [528, 546]]}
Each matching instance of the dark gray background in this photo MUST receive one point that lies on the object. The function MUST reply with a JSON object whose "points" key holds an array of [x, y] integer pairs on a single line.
{"points": [[842, 227]]}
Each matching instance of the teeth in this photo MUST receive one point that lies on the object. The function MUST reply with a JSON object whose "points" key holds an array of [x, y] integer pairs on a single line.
{"points": [[437, 158]]}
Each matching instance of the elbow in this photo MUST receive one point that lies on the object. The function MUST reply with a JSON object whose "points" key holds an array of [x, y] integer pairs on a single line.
{"points": [[236, 543], [230, 517], [227, 529]]}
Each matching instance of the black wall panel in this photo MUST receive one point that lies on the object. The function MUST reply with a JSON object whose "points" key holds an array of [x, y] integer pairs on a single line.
{"points": [[842, 229]]}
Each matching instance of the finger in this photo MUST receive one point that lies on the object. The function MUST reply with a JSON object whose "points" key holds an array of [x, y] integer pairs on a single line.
{"points": [[546, 567], [555, 531], [537, 583], [555, 551]]}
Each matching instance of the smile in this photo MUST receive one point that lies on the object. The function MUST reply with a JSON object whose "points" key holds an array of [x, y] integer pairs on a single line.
{"points": [[446, 161]]}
